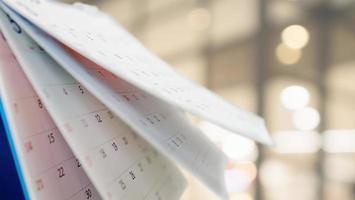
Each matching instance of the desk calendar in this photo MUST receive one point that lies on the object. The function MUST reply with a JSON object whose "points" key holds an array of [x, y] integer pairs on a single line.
{"points": [[92, 114]]}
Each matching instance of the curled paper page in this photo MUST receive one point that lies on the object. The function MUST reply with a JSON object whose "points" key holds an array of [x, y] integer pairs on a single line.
{"points": [[49, 167], [98, 38], [118, 162], [162, 125]]}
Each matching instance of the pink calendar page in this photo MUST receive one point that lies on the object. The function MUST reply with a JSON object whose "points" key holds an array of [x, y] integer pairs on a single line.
{"points": [[98, 38], [159, 123], [41, 149], [119, 163]]}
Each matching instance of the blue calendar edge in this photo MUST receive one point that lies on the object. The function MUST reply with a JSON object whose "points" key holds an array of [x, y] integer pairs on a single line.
{"points": [[13, 151]]}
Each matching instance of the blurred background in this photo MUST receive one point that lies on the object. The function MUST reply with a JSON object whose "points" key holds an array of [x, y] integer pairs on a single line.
{"points": [[290, 61]]}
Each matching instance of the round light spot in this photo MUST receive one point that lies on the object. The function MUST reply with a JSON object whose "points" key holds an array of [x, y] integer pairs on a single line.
{"points": [[295, 36], [287, 55], [239, 176], [238, 148], [294, 97], [306, 118]]}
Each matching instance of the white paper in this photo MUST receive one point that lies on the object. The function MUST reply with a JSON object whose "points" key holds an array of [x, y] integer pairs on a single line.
{"points": [[162, 125], [119, 163], [42, 152], [96, 37]]}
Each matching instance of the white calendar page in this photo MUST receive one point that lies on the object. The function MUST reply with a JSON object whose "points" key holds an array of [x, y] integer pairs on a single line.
{"points": [[159, 123], [98, 38], [42, 152], [119, 163]]}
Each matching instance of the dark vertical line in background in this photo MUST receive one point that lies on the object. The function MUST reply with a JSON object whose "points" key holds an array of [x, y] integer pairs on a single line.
{"points": [[261, 79], [207, 48], [139, 18], [323, 54]]}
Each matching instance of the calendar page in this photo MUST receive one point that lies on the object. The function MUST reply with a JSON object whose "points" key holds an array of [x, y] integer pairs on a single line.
{"points": [[159, 123], [118, 162], [42, 152], [97, 37]]}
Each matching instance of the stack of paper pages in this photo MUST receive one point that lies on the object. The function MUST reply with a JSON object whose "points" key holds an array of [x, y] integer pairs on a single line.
{"points": [[92, 114]]}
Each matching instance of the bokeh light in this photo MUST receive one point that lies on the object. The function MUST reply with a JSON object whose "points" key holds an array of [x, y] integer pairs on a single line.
{"points": [[306, 118], [239, 176], [339, 141], [294, 97], [239, 148], [296, 142], [287, 55], [295, 36]]}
